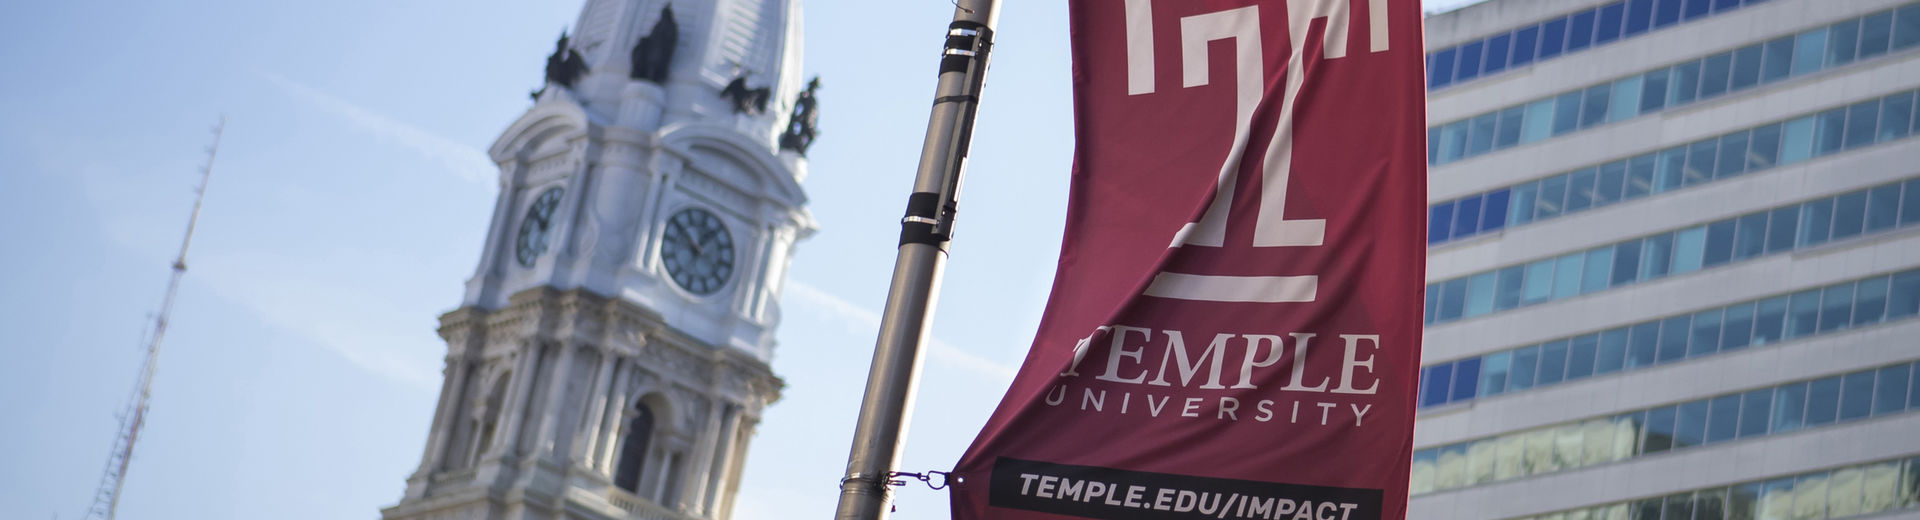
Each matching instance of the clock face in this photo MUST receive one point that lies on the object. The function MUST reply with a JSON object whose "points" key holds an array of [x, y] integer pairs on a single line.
{"points": [[535, 227], [697, 251]]}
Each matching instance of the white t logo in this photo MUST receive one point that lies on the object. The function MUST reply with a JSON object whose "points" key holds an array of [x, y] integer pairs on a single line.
{"points": [[1271, 228]]}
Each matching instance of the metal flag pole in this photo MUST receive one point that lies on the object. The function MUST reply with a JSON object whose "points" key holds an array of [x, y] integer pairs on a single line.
{"points": [[924, 234]]}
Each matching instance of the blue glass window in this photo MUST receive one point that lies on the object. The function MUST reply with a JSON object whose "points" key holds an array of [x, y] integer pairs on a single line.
{"points": [[1438, 219], [1733, 155], [1580, 30], [1781, 228], [1552, 198], [1480, 293], [1876, 34], [1719, 245], [1770, 318], [1553, 38], [1668, 174], [1566, 113], [1608, 27], [1689, 249], [1580, 191], [1539, 285], [1836, 312], [1890, 389], [1581, 352], [1755, 407], [1763, 148], [1906, 27], [1643, 346], [1480, 134], [1823, 401], [1816, 222], [1896, 117], [1525, 361], [1705, 339], [1538, 123], [1715, 73], [1494, 215], [1493, 376], [1691, 425], [1660, 432], [1639, 16], [1750, 236], [1789, 407], [1777, 63], [1653, 91], [1507, 287], [1809, 51], [1849, 215], [1498, 48], [1435, 381], [1699, 165], [1612, 184], [1883, 208], [1453, 299], [1911, 200], [1626, 263], [1509, 132], [1720, 6], [1796, 141], [1737, 332], [1723, 418], [1470, 55], [1843, 42], [1440, 72], [1746, 67], [1465, 374], [1870, 301], [1656, 256], [1686, 84], [1595, 109], [1673, 338], [1803, 313], [1553, 363], [1856, 395], [1613, 352], [1666, 12], [1696, 9], [1640, 177], [1863, 120], [1523, 202], [1466, 216], [1525, 43], [1598, 269]]}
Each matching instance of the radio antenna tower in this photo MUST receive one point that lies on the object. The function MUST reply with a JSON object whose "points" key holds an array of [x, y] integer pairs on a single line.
{"points": [[107, 499]]}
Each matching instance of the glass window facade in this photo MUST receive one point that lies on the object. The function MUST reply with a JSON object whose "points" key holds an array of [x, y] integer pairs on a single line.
{"points": [[1765, 321], [1829, 494], [1679, 426], [1680, 84], [1693, 164], [1566, 34], [1805, 225]]}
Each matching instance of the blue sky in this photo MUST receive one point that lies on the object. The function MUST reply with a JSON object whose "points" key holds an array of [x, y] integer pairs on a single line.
{"points": [[348, 206]]}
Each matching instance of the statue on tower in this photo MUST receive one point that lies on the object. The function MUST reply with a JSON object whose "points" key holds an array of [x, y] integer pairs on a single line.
{"points": [[654, 54], [565, 66], [804, 125], [751, 101]]}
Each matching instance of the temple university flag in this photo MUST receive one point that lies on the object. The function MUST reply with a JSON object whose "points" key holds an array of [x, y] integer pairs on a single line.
{"points": [[1234, 328]]}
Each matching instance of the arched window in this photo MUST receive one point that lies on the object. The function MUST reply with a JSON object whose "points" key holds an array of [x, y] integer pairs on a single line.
{"points": [[487, 418], [633, 450]]}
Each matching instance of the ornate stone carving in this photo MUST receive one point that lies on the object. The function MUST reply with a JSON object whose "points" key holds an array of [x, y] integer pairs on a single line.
{"points": [[653, 57]]}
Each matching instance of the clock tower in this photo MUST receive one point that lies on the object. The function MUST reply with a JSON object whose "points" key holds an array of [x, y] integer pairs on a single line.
{"points": [[610, 357]]}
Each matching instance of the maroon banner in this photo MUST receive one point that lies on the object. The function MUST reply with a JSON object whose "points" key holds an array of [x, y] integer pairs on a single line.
{"points": [[1234, 329]]}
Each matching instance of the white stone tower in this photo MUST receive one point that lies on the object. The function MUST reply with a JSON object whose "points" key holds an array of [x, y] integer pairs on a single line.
{"points": [[610, 357]]}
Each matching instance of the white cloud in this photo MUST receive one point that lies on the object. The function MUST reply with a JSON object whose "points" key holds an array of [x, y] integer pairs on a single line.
{"points": [[860, 320], [466, 162]]}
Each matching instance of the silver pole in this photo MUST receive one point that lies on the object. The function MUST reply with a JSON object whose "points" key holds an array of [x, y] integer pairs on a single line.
{"points": [[924, 235]]}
